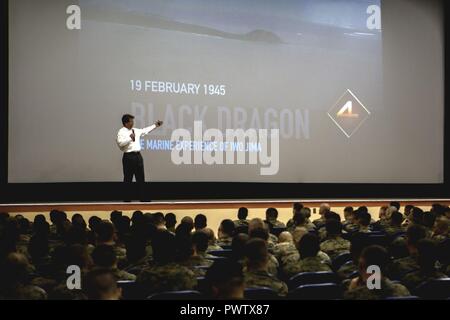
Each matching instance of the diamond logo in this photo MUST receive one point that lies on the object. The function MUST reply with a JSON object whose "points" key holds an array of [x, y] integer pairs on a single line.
{"points": [[349, 113]]}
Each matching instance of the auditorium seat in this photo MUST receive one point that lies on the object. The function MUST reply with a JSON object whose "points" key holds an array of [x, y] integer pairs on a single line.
{"points": [[434, 289], [221, 253], [305, 278], [322, 291], [377, 239], [340, 260], [131, 290], [176, 295], [403, 298], [201, 284], [261, 293]]}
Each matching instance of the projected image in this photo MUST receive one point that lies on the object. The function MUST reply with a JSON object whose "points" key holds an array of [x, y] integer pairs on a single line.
{"points": [[315, 70]]}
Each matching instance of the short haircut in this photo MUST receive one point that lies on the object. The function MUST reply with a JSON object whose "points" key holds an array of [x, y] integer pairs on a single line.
{"points": [[200, 241], [225, 275], [333, 227], [299, 218], [308, 246], [126, 118], [414, 233], [200, 221], [242, 213], [227, 227], [348, 209], [238, 245], [99, 283], [272, 213], [164, 247], [297, 206], [105, 231], [396, 218], [104, 256], [428, 254], [256, 251], [260, 233], [171, 220], [395, 204], [375, 256], [364, 218]]}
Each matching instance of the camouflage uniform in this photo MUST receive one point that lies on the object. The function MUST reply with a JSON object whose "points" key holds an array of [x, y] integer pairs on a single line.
{"points": [[335, 246], [213, 247], [391, 230], [346, 270], [283, 250], [168, 277], [276, 223], [240, 222], [400, 267], [310, 264], [137, 266], [123, 275], [388, 289], [413, 279], [24, 292], [225, 241], [319, 222], [273, 264], [254, 279], [198, 261]]}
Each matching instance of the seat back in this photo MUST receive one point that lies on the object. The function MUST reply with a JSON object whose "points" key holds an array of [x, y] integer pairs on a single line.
{"points": [[434, 289], [176, 295], [261, 293], [221, 253], [323, 291], [340, 260], [305, 278], [131, 290]]}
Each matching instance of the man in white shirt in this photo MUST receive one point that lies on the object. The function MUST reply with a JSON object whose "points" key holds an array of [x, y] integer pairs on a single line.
{"points": [[129, 142]]}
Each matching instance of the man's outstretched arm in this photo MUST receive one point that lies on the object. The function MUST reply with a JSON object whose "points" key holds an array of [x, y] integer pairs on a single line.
{"points": [[147, 130]]}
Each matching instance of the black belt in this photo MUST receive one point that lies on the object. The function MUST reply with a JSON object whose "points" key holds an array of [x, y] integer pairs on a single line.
{"points": [[133, 152]]}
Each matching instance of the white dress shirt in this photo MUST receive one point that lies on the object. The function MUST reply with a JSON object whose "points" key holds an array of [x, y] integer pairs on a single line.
{"points": [[126, 144]]}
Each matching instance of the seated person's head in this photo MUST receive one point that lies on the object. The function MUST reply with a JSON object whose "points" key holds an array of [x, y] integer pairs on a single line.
{"points": [[285, 236], [238, 246], [256, 223], [323, 209], [395, 204], [226, 228], [308, 246], [104, 256], [256, 254], [93, 222], [299, 218], [271, 214], [38, 248], [348, 211], [306, 212], [135, 248], [101, 284], [372, 256], [364, 219], [414, 234], [211, 236], [158, 220], [76, 235], [114, 216], [428, 219], [242, 213], [416, 215], [441, 226], [225, 280], [396, 219], [164, 247], [15, 270], [171, 220], [358, 243], [200, 242], [427, 255], [189, 222], [333, 227], [297, 206], [260, 233], [200, 222], [105, 232]]}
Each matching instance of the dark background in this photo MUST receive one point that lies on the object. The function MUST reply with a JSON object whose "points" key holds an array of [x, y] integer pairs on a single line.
{"points": [[45, 192]]}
